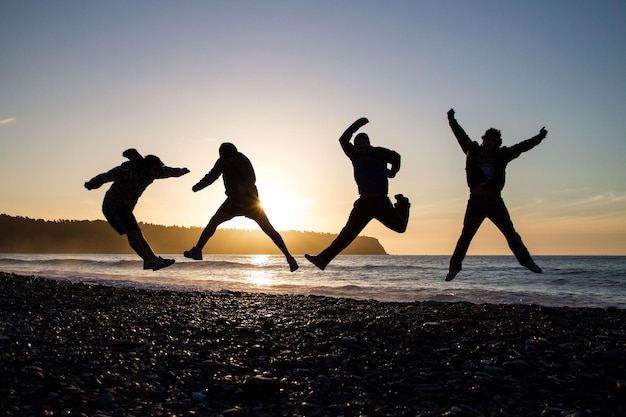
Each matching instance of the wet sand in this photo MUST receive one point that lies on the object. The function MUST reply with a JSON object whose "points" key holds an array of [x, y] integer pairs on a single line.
{"points": [[83, 350]]}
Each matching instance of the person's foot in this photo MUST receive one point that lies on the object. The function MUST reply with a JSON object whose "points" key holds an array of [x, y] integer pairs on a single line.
{"points": [[530, 264], [451, 275], [193, 253], [293, 265], [157, 263], [315, 260]]}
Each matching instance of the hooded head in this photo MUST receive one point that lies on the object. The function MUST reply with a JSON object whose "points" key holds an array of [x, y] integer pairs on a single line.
{"points": [[227, 150], [151, 164]]}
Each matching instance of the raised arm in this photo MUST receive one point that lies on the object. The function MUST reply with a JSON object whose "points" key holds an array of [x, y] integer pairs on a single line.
{"points": [[344, 139], [526, 145], [461, 137]]}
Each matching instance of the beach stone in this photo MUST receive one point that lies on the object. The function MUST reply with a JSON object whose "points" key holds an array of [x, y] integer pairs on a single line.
{"points": [[490, 369], [107, 399], [198, 397], [259, 386], [163, 353], [518, 363]]}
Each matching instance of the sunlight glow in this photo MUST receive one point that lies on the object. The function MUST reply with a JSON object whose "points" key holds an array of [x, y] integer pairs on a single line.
{"points": [[260, 260], [284, 211], [260, 278]]}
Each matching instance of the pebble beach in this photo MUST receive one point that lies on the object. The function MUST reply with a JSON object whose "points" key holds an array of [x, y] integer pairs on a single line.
{"points": [[72, 349]]}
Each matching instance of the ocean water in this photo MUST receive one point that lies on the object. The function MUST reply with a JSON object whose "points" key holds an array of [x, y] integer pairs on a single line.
{"points": [[574, 281]]}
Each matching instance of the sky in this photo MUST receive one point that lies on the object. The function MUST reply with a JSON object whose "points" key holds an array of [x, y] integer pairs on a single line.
{"points": [[82, 81]]}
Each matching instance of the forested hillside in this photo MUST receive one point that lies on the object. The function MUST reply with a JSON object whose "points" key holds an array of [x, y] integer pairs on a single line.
{"points": [[25, 235]]}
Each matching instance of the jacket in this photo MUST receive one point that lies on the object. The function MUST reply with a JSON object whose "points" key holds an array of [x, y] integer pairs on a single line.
{"points": [[498, 159]]}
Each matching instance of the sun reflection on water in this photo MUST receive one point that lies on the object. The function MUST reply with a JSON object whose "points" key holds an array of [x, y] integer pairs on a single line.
{"points": [[260, 260], [260, 277]]}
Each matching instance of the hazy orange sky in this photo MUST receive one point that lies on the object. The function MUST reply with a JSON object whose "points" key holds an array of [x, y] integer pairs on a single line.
{"points": [[82, 81]]}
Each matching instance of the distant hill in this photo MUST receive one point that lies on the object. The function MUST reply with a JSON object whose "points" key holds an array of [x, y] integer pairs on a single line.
{"points": [[25, 235]]}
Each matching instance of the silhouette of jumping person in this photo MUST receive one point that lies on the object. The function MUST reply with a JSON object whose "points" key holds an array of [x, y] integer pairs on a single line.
{"points": [[130, 179], [242, 200], [373, 166], [485, 170]]}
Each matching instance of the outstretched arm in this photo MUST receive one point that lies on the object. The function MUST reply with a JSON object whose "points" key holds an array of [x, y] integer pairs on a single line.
{"points": [[167, 172], [95, 182], [111, 175], [543, 133], [461, 137], [209, 178], [527, 144]]}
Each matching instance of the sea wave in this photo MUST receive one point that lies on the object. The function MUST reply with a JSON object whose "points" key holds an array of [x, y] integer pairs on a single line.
{"points": [[566, 281]]}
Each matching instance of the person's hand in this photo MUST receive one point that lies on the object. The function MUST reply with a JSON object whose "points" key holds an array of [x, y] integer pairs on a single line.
{"points": [[352, 129], [543, 132], [185, 171], [451, 114], [358, 124], [90, 186]]}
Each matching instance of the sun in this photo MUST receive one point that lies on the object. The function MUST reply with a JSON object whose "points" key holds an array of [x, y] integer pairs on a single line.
{"points": [[285, 211]]}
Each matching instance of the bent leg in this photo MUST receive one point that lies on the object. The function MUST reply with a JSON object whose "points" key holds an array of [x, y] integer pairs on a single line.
{"points": [[395, 218]]}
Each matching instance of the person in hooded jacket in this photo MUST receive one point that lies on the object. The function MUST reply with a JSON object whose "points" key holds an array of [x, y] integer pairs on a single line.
{"points": [[485, 172], [242, 199], [130, 180]]}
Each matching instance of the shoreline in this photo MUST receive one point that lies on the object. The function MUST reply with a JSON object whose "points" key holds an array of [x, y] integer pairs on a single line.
{"points": [[93, 349]]}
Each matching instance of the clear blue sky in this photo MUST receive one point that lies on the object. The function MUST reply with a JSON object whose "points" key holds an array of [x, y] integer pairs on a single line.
{"points": [[81, 81]]}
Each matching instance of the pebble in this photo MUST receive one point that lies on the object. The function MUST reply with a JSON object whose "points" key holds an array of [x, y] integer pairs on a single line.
{"points": [[89, 350]]}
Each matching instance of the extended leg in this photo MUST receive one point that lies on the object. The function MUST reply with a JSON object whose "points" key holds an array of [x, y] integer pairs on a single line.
{"points": [[140, 245], [143, 249], [358, 219], [501, 218], [269, 230], [471, 222], [217, 219]]}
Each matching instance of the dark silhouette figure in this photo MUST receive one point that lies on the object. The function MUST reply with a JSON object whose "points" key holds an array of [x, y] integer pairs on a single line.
{"points": [[372, 168], [129, 181], [242, 200], [485, 169]]}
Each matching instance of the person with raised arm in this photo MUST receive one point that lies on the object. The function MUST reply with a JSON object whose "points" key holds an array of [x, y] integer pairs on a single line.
{"points": [[485, 169], [373, 166]]}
